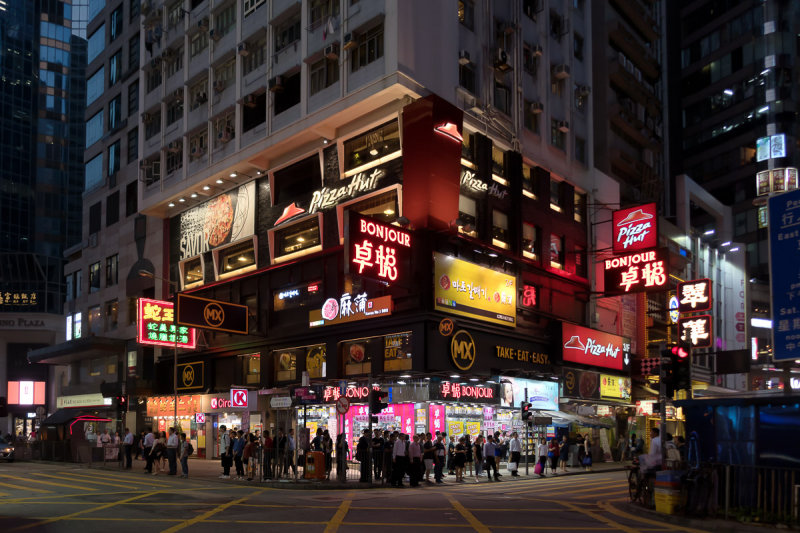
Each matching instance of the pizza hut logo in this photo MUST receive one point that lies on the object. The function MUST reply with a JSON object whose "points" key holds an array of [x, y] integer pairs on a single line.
{"points": [[592, 347], [635, 228]]}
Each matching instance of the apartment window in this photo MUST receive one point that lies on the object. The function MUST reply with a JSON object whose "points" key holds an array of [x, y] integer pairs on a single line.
{"points": [[174, 156], [466, 77], [468, 147], [528, 181], [502, 97], [152, 124], [581, 97], [500, 236], [297, 237], [112, 315], [133, 145], [321, 10], [115, 112], [174, 60], [94, 129], [251, 367], [94, 172], [531, 116], [580, 150], [96, 328], [556, 24], [316, 362], [133, 98], [383, 207], [580, 261], [285, 365], [529, 8], [322, 74], [468, 213], [293, 182], [557, 137], [95, 85], [530, 241], [498, 165], [112, 268], [96, 44], [287, 33], [152, 170], [372, 146], [198, 42], [251, 5], [113, 160], [556, 85], [556, 251], [530, 60], [369, 49], [256, 113], [114, 68], [223, 129], [466, 13], [131, 198], [174, 14], [174, 110], [198, 93], [237, 259], [226, 20], [116, 24], [256, 55], [73, 285], [555, 195], [94, 277], [289, 95], [577, 46], [198, 144], [153, 77], [224, 75], [579, 206], [135, 10]]}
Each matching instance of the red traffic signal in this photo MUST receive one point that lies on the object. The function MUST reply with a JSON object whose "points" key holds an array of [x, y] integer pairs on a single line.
{"points": [[680, 351], [525, 411]]}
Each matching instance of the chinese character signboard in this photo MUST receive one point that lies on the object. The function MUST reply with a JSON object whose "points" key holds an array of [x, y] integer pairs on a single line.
{"points": [[635, 228], [471, 393], [596, 348], [529, 296], [19, 299], [377, 250], [615, 387], [156, 326], [350, 308], [639, 272], [466, 289], [784, 250], [696, 330], [776, 180], [694, 295]]}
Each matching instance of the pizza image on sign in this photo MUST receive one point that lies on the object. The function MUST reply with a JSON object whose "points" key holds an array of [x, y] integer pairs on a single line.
{"points": [[219, 219]]}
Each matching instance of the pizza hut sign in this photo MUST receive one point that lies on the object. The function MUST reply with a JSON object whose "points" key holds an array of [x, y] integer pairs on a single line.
{"points": [[596, 348], [635, 228], [224, 219]]}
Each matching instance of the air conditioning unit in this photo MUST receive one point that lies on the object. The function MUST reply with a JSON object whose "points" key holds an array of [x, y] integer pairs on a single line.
{"points": [[214, 35], [332, 51], [501, 60], [276, 84], [583, 90], [202, 24], [463, 57], [563, 126], [350, 40], [249, 100], [537, 108], [147, 118], [219, 85], [145, 164], [241, 48], [225, 135], [536, 50], [174, 147], [561, 71]]}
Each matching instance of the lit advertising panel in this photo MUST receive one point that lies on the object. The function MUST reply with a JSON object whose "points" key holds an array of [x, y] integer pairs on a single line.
{"points": [[349, 308], [694, 295], [635, 228], [615, 387], [377, 250], [592, 347], [156, 325], [26, 392], [466, 289], [697, 331], [541, 394], [638, 272]]}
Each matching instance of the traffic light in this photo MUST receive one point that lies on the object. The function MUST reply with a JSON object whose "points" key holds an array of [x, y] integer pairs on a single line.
{"points": [[121, 402], [525, 412], [681, 365], [666, 372], [376, 403]]}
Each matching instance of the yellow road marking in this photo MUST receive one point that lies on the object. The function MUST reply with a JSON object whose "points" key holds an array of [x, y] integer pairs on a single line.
{"points": [[338, 517], [78, 513], [476, 524], [128, 479], [52, 483], [599, 518], [211, 512], [622, 514], [605, 494], [12, 486], [90, 481], [566, 490]]}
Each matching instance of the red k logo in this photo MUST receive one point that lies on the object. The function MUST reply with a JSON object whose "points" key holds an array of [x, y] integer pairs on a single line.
{"points": [[238, 397]]}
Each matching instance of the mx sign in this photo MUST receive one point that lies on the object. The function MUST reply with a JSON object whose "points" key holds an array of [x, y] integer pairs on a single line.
{"points": [[238, 397]]}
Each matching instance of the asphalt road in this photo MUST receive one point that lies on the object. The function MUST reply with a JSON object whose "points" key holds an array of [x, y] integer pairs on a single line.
{"points": [[65, 498]]}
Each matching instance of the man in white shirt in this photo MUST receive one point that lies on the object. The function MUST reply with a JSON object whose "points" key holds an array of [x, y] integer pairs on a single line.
{"points": [[224, 452], [149, 440], [127, 443], [515, 449], [399, 460], [652, 459], [290, 453], [172, 452], [488, 453]]}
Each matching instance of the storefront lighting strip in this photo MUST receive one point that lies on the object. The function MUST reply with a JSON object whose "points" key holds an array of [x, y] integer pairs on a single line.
{"points": [[375, 163]]}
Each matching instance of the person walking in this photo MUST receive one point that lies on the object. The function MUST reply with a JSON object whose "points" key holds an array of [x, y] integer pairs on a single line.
{"points": [[468, 454], [399, 460], [225, 452], [439, 457], [172, 451], [184, 451], [268, 452], [127, 444], [238, 448], [147, 446], [587, 460], [415, 459], [515, 449], [451, 455], [342, 450], [428, 456], [280, 454], [159, 453], [388, 448], [542, 453], [477, 450], [327, 449], [563, 454], [552, 454], [460, 459], [291, 447], [363, 455], [489, 453], [377, 455], [248, 456]]}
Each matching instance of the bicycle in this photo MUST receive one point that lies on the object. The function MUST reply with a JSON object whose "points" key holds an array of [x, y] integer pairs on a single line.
{"points": [[640, 486]]}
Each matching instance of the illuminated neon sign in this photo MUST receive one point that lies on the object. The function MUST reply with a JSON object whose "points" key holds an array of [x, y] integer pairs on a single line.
{"points": [[635, 228], [377, 250], [156, 326], [639, 272]]}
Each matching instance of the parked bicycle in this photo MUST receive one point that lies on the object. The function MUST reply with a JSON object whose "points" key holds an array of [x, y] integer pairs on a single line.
{"points": [[641, 485]]}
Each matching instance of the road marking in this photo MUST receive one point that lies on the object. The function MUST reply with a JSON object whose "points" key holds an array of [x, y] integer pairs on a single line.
{"points": [[622, 514], [599, 517], [128, 479], [605, 494], [90, 481], [12, 486], [78, 513], [568, 489], [212, 512], [476, 524], [338, 517], [53, 483]]}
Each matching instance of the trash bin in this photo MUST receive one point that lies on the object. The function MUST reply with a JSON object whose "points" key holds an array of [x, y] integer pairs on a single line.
{"points": [[668, 491], [315, 466]]}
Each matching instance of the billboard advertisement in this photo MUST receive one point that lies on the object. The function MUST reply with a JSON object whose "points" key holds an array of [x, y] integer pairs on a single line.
{"points": [[595, 348], [635, 228], [541, 394]]}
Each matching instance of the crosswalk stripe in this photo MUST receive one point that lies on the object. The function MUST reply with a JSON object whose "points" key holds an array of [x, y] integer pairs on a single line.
{"points": [[573, 490], [147, 481], [81, 480], [20, 487], [51, 483]]}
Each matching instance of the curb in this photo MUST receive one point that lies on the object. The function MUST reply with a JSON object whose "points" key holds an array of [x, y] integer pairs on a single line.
{"points": [[717, 525]]}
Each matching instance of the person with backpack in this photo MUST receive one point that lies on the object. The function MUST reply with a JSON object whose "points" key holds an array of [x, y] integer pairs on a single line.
{"points": [[186, 449]]}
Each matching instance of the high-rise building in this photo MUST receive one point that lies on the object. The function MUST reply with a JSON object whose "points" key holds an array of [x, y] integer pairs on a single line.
{"points": [[41, 74]]}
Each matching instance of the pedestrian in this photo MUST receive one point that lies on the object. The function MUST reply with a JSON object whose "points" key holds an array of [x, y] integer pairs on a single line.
{"points": [[468, 454], [316, 442], [280, 454], [542, 453], [363, 455], [477, 450], [489, 454], [267, 454], [460, 459], [172, 451], [158, 452], [184, 451], [106, 441], [415, 460], [138, 445], [451, 455], [342, 450], [147, 447], [400, 460], [439, 457], [118, 447], [587, 459], [327, 449], [225, 452], [238, 449], [563, 454], [515, 448], [377, 454], [581, 448], [291, 447], [248, 455], [428, 456], [128, 446], [388, 448], [552, 455]]}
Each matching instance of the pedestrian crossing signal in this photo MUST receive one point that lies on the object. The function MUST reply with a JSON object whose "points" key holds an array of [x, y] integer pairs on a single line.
{"points": [[526, 411]]}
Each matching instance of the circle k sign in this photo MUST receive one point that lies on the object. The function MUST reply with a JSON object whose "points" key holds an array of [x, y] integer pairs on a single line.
{"points": [[238, 397]]}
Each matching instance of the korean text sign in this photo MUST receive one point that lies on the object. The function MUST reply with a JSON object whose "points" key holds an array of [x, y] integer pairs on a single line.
{"points": [[784, 251], [635, 228], [637, 272], [156, 325], [377, 250], [592, 347], [466, 289]]}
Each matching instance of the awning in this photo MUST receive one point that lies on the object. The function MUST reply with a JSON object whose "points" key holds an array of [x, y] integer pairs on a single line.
{"points": [[563, 419], [62, 416], [78, 349]]}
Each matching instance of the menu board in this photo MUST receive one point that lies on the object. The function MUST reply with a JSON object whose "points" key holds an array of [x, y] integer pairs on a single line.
{"points": [[397, 352]]}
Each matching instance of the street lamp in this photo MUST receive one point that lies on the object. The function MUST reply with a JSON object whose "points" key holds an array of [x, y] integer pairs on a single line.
{"points": [[148, 274]]}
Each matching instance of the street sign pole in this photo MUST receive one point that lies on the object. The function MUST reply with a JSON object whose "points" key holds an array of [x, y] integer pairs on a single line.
{"points": [[525, 428]]}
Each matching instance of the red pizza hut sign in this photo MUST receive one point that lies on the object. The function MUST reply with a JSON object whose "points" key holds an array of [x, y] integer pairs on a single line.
{"points": [[639, 272], [377, 250], [635, 228], [587, 346]]}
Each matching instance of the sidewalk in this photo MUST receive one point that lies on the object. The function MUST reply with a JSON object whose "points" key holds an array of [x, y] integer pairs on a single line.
{"points": [[717, 525]]}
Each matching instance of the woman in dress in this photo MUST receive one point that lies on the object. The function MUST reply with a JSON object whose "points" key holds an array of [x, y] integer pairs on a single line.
{"points": [[468, 454], [477, 451], [460, 459], [327, 449]]}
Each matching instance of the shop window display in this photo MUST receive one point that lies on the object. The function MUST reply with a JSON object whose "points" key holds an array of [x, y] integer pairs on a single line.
{"points": [[237, 259], [382, 207], [297, 237], [357, 355], [372, 148], [285, 365]]}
